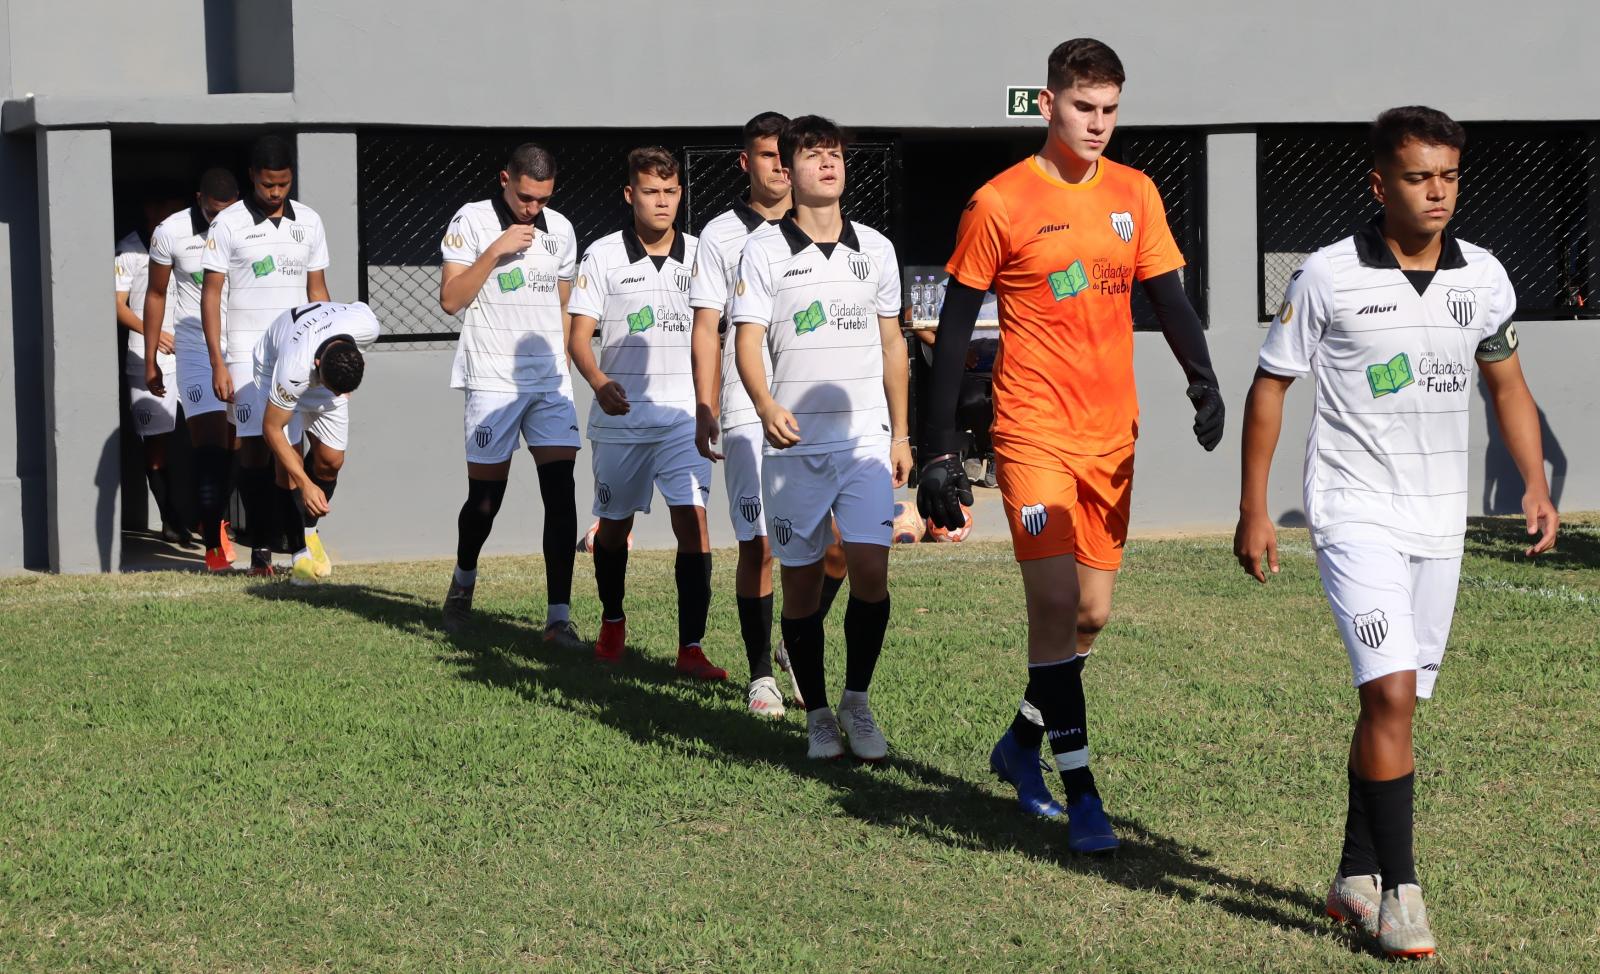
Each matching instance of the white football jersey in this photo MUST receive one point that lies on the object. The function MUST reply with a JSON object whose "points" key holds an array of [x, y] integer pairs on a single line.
{"points": [[644, 324], [180, 243], [266, 261], [512, 338], [132, 274], [711, 286], [821, 314], [1386, 456], [285, 357]]}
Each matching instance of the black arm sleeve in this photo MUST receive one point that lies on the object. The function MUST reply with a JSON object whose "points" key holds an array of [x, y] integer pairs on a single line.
{"points": [[956, 320], [1181, 326]]}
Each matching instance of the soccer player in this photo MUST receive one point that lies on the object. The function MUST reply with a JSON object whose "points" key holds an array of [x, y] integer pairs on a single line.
{"points": [[723, 409], [271, 253], [154, 417], [179, 244], [509, 261], [822, 294], [310, 360], [634, 286], [1390, 321], [1060, 237]]}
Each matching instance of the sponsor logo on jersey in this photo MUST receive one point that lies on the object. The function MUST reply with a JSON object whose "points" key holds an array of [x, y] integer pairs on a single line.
{"points": [[1111, 276], [1052, 228], [511, 280], [1371, 628], [641, 320], [482, 435], [749, 508], [784, 529], [255, 236], [860, 265], [970, 204], [454, 241], [809, 319], [1123, 224], [264, 266], [1034, 517], [636, 279], [199, 277], [1463, 305], [1070, 282], [798, 271], [1442, 374], [1378, 309], [1391, 376]]}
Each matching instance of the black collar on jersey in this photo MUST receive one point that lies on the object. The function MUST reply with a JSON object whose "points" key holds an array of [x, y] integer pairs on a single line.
{"points": [[501, 210], [1373, 251], [635, 247], [254, 206], [198, 222], [798, 240], [748, 216]]}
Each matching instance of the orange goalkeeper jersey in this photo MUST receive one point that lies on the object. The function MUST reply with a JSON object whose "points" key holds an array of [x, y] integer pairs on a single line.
{"points": [[1061, 259]]}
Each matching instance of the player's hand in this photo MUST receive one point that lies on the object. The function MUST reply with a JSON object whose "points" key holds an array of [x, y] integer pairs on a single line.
{"points": [[900, 461], [942, 490], [1542, 521], [779, 426], [1256, 536], [1208, 414], [517, 238], [612, 398], [164, 344], [315, 501], [222, 383], [706, 433], [153, 380]]}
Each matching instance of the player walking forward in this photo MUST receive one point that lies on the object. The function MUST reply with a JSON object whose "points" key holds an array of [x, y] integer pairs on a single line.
{"points": [[1390, 321], [822, 294], [509, 261], [634, 287], [1061, 237]]}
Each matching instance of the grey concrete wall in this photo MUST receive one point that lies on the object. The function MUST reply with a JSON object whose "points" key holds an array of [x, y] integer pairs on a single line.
{"points": [[23, 535], [90, 47], [325, 178], [82, 452]]}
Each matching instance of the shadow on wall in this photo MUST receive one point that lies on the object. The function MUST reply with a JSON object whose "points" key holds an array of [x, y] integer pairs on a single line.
{"points": [[108, 484], [1502, 483]]}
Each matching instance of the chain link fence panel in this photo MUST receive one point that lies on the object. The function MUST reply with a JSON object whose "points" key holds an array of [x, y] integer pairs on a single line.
{"points": [[1175, 162], [1529, 194]]}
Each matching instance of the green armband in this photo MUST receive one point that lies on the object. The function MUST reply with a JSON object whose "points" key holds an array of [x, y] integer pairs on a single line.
{"points": [[1499, 346]]}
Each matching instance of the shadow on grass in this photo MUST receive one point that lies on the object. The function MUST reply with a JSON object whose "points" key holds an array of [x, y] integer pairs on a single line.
{"points": [[1505, 538], [504, 652]]}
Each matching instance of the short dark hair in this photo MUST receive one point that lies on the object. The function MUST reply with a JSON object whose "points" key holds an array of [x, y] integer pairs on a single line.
{"points": [[271, 152], [809, 132], [652, 159], [1397, 126], [764, 126], [341, 366], [532, 160], [218, 184], [1083, 60]]}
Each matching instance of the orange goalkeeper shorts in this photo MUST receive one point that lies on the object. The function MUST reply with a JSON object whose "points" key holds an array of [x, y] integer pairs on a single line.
{"points": [[1076, 505]]}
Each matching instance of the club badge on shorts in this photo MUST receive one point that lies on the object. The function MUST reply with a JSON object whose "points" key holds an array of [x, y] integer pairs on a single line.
{"points": [[784, 529], [1034, 517], [1371, 628], [602, 491], [750, 508], [482, 435]]}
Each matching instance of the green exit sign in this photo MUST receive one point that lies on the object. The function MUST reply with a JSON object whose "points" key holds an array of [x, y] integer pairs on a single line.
{"points": [[1022, 101]]}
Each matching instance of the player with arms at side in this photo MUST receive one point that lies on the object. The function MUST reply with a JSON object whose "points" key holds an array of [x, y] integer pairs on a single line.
{"points": [[1391, 321], [1060, 237], [177, 249], [633, 286], [822, 294], [509, 262], [724, 413]]}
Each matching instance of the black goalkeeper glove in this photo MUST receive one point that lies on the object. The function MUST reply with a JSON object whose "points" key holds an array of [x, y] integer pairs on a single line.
{"points": [[1208, 414], [942, 490]]}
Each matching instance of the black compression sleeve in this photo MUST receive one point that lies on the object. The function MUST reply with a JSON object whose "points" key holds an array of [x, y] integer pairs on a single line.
{"points": [[956, 320], [1181, 326]]}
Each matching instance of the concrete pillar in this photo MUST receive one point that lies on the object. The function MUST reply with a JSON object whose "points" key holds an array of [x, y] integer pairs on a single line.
{"points": [[82, 435], [1231, 261], [326, 180]]}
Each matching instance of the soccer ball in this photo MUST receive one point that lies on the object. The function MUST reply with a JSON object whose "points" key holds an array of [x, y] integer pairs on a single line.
{"points": [[907, 524], [586, 543], [936, 533]]}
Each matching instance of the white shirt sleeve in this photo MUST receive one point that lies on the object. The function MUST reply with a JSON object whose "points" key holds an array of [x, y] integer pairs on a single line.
{"points": [[1499, 338], [708, 280], [161, 246], [589, 294], [1295, 333], [219, 248], [888, 282], [569, 255], [123, 274], [460, 243], [319, 248], [364, 327], [752, 290]]}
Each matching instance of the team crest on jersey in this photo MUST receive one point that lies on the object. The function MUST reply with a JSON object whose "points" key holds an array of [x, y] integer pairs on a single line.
{"points": [[298, 233], [750, 508], [860, 265], [680, 276], [482, 435], [551, 244], [1034, 517], [1123, 224], [1371, 628], [1463, 305], [602, 493], [241, 411], [784, 529], [193, 392]]}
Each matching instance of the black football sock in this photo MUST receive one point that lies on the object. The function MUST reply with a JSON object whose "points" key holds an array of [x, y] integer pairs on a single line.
{"points": [[1389, 818], [803, 639], [755, 625], [1060, 688], [1359, 858], [1027, 727], [156, 477], [830, 591], [290, 518], [557, 491], [326, 486], [611, 579], [864, 626], [255, 490], [211, 492], [693, 573], [476, 518]]}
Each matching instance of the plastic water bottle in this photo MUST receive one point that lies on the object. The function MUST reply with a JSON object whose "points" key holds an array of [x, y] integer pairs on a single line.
{"points": [[937, 303], [916, 297]]}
